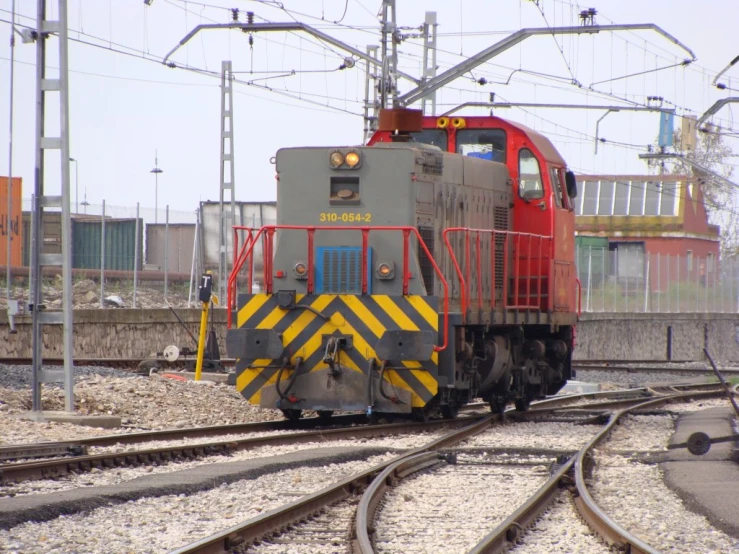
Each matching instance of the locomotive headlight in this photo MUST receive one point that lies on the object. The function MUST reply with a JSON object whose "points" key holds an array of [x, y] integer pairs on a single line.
{"points": [[352, 159], [385, 270], [336, 159], [300, 271]]}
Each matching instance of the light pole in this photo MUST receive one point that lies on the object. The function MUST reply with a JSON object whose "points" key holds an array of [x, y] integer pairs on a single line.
{"points": [[156, 171], [76, 185]]}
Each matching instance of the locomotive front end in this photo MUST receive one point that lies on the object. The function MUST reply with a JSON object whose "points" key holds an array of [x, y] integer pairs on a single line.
{"points": [[344, 321]]}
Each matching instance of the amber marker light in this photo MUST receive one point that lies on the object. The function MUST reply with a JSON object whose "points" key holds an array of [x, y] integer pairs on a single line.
{"points": [[336, 159], [352, 159], [385, 270], [301, 270]]}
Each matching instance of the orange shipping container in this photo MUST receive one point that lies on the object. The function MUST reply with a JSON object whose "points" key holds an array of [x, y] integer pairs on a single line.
{"points": [[10, 223]]}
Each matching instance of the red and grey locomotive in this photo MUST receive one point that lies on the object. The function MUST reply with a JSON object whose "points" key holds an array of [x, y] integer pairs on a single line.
{"points": [[409, 276]]}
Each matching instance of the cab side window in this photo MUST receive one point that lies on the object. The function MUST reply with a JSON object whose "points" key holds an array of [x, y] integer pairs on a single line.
{"points": [[530, 185], [558, 187]]}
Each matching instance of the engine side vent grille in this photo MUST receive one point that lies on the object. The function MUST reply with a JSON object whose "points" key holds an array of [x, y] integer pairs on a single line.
{"points": [[500, 221], [339, 270], [427, 269]]}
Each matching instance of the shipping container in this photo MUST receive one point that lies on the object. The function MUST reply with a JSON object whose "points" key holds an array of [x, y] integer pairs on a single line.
{"points": [[52, 235], [11, 227], [120, 243], [248, 214], [592, 259], [180, 246]]}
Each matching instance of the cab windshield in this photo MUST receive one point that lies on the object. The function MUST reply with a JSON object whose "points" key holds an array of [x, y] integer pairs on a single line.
{"points": [[435, 137], [488, 144]]}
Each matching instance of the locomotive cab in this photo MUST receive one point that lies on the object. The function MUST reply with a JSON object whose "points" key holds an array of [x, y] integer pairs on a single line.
{"points": [[543, 198]]}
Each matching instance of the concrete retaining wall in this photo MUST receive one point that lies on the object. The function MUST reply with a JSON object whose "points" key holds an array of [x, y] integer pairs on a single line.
{"points": [[131, 333], [113, 333], [619, 336]]}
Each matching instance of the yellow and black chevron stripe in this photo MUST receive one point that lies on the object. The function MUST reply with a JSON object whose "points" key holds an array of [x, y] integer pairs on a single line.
{"points": [[364, 318]]}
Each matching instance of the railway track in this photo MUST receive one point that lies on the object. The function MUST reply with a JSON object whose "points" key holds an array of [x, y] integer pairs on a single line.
{"points": [[117, 363], [664, 366], [53, 468], [328, 526], [280, 525], [652, 369], [73, 457], [575, 470]]}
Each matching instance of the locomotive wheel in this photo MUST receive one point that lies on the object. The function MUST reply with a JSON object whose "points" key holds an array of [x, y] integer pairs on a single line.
{"points": [[420, 414], [292, 414], [523, 404], [497, 404], [325, 415], [450, 411]]}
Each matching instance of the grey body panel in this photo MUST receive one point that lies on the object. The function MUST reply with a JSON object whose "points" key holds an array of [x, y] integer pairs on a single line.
{"points": [[399, 185]]}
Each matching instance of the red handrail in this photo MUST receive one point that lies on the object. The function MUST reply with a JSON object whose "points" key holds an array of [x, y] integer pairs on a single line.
{"points": [[246, 254], [579, 296], [464, 277]]}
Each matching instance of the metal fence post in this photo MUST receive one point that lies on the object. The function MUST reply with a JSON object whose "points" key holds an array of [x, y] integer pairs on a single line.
{"points": [[30, 277], [715, 272], [136, 255], [194, 253], [669, 285], [603, 280], [626, 294], [705, 281], [102, 258], [646, 285], [678, 283], [721, 280], [615, 273], [166, 248], [590, 278], [659, 284]]}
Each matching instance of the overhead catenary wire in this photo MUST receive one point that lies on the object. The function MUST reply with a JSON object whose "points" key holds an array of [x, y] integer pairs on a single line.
{"points": [[634, 98]]}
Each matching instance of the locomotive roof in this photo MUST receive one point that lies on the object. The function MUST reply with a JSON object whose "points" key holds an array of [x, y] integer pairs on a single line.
{"points": [[544, 145]]}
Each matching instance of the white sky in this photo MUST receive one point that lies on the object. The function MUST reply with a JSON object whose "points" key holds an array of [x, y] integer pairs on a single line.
{"points": [[124, 107]]}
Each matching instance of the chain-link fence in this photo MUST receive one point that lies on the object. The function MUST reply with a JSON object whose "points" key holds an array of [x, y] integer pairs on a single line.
{"points": [[137, 257], [125, 256], [630, 280]]}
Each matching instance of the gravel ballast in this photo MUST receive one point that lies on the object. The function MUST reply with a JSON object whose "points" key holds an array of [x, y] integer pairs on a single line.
{"points": [[634, 494], [115, 476], [160, 525], [142, 403]]}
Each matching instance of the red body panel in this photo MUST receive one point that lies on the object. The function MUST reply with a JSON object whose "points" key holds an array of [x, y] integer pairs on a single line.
{"points": [[551, 215]]}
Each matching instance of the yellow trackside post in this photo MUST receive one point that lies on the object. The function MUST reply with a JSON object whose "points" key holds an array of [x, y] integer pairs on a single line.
{"points": [[205, 292]]}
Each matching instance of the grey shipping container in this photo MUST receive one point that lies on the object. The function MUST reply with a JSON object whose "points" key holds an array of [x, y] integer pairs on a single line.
{"points": [[52, 233], [248, 214], [180, 246], [120, 244]]}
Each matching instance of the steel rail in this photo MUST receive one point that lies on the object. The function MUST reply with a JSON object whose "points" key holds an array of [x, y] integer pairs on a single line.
{"points": [[600, 522], [375, 492], [509, 531], [40, 450], [62, 466], [16, 451], [651, 369], [106, 362], [260, 526]]}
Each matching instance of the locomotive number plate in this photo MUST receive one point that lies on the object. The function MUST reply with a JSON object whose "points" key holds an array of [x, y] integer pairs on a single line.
{"points": [[345, 217]]}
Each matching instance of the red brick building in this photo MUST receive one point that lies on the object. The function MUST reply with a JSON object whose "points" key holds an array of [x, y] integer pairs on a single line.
{"points": [[658, 220]]}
